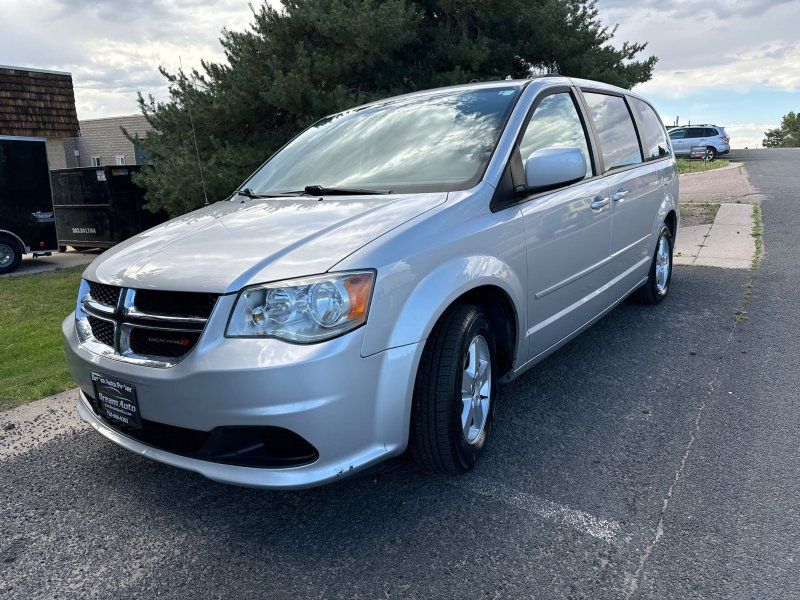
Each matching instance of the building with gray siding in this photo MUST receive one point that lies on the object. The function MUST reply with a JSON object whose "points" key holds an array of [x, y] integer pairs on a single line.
{"points": [[102, 142]]}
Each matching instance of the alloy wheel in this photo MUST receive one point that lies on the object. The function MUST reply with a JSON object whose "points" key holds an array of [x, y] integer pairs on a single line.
{"points": [[476, 389]]}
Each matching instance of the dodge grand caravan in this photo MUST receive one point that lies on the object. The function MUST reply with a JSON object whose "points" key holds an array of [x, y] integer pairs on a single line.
{"points": [[368, 287]]}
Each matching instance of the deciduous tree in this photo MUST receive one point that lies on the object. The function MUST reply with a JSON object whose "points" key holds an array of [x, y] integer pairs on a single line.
{"points": [[785, 136]]}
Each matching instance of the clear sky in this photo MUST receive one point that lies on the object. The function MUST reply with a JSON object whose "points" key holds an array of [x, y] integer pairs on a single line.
{"points": [[734, 63]]}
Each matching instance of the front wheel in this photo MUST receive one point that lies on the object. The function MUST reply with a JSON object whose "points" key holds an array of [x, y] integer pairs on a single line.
{"points": [[656, 287], [453, 396]]}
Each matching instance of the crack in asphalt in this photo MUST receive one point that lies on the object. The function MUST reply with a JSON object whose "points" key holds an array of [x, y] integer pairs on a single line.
{"points": [[633, 583]]}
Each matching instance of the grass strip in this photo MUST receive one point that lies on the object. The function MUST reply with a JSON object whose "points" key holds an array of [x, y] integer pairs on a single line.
{"points": [[32, 308], [686, 165]]}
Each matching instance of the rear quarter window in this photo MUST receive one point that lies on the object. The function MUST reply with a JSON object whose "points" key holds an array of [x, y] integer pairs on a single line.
{"points": [[654, 139], [617, 135]]}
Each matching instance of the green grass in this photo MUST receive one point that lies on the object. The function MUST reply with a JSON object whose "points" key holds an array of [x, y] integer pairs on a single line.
{"points": [[758, 228], [698, 166], [31, 355]]}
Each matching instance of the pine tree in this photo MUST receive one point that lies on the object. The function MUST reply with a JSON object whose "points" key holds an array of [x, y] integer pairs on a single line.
{"points": [[312, 58]]}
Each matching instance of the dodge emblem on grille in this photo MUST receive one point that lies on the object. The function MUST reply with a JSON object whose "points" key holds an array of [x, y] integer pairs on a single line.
{"points": [[181, 342]]}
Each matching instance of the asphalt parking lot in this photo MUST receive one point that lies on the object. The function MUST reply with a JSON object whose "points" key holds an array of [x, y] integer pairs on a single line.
{"points": [[656, 456]]}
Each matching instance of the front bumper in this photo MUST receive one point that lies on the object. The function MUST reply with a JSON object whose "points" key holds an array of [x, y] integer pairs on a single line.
{"points": [[354, 410]]}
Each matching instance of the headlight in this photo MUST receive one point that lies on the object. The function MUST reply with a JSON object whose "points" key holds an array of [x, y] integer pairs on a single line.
{"points": [[305, 310], [81, 322]]}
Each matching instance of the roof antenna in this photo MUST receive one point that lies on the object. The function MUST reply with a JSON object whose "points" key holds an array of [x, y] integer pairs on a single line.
{"points": [[194, 136]]}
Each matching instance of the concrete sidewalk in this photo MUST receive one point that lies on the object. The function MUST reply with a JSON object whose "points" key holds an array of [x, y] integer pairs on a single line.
{"points": [[719, 185], [727, 243]]}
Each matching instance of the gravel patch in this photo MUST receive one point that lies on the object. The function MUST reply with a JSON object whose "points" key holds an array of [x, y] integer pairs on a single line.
{"points": [[24, 428]]}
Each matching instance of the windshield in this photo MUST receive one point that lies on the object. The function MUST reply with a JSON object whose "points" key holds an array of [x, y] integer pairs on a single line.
{"points": [[436, 142]]}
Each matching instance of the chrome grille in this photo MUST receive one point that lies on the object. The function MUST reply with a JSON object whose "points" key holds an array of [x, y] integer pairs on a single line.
{"points": [[107, 295], [155, 327], [176, 304], [102, 330]]}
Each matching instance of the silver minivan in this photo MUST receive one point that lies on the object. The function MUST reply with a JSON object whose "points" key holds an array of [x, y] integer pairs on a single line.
{"points": [[366, 289]]}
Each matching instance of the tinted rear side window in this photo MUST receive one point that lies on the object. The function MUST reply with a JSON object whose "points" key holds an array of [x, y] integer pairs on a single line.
{"points": [[618, 140], [696, 132], [711, 132], [654, 139]]}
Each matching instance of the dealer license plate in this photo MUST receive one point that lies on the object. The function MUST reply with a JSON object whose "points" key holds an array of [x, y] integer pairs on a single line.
{"points": [[117, 400]]}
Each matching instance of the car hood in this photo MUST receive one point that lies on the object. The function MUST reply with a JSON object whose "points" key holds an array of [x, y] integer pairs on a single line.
{"points": [[230, 245]]}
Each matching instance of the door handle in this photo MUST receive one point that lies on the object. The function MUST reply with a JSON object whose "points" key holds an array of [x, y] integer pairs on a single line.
{"points": [[598, 203], [619, 195]]}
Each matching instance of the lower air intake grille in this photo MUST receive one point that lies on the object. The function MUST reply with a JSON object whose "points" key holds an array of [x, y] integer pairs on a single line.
{"points": [[103, 331], [247, 446]]}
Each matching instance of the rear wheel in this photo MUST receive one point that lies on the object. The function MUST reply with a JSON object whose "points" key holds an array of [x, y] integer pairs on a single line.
{"points": [[656, 287], [711, 153], [10, 255], [453, 396]]}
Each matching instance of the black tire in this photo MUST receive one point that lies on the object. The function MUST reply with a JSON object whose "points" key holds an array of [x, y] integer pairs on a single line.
{"points": [[437, 439], [10, 255], [62, 249], [711, 153], [651, 292]]}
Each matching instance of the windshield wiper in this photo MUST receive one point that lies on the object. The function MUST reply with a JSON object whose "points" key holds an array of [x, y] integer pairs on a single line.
{"points": [[321, 190], [248, 193]]}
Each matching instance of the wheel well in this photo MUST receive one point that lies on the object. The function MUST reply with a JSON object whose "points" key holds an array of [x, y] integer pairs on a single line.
{"points": [[503, 318], [672, 222], [13, 241]]}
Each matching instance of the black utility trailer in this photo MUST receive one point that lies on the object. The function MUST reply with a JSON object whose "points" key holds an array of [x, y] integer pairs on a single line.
{"points": [[97, 207], [26, 204]]}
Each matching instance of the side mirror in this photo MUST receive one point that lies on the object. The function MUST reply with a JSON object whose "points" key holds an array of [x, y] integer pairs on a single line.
{"points": [[549, 167]]}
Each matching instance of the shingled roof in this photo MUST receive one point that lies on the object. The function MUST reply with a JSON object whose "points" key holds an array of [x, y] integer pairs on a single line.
{"points": [[37, 103]]}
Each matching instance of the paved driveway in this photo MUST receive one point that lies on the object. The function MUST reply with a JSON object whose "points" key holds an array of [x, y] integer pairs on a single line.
{"points": [[58, 260], [656, 456]]}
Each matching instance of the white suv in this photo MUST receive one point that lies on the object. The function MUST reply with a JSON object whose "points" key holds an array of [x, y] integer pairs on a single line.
{"points": [[713, 137]]}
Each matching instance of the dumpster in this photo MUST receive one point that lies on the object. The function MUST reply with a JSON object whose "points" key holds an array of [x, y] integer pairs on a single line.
{"points": [[97, 207], [26, 204]]}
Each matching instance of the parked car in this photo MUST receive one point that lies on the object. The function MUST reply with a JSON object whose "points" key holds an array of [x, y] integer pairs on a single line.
{"points": [[26, 206], [370, 285], [712, 137]]}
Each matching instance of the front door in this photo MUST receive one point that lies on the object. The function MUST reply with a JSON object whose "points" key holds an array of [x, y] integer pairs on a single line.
{"points": [[678, 139], [568, 231]]}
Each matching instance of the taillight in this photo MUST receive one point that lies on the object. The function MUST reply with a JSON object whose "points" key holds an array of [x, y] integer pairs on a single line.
{"points": [[726, 139]]}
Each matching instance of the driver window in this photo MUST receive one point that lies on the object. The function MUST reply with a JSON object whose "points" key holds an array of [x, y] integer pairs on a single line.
{"points": [[555, 122]]}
